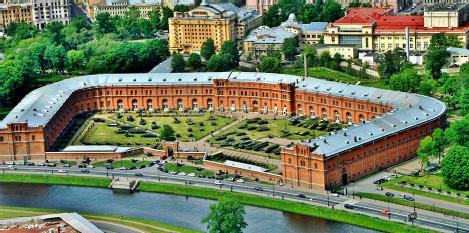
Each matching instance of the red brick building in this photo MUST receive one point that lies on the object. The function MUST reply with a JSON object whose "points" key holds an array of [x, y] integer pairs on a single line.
{"points": [[397, 120]]}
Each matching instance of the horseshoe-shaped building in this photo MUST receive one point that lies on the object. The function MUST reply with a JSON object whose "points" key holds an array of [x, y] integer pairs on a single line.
{"points": [[385, 126]]}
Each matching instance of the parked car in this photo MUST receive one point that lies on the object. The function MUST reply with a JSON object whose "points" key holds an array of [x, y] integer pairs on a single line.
{"points": [[380, 181], [389, 194], [240, 180], [51, 165], [259, 189], [348, 206], [191, 175], [143, 166], [89, 166], [42, 164], [408, 198], [138, 174], [9, 162], [62, 171], [12, 167], [122, 168], [385, 212], [85, 171], [217, 182], [172, 172], [301, 195], [334, 194], [132, 168], [82, 165], [230, 179], [109, 167], [182, 173], [66, 165]]}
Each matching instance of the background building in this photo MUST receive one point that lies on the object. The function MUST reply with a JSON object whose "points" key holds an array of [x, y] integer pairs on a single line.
{"points": [[120, 7], [220, 22], [14, 11], [261, 6], [47, 11]]}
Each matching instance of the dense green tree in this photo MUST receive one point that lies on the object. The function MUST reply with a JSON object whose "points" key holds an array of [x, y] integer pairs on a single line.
{"points": [[76, 61], [331, 12], [154, 17], [181, 8], [53, 30], [407, 80], [225, 216], [311, 56], [177, 63], [458, 132], [167, 13], [439, 141], [435, 59], [104, 24], [391, 62], [229, 49], [464, 102], [325, 59], [428, 86], [194, 61], [21, 30], [56, 57], [464, 68], [217, 63], [425, 151], [289, 48], [273, 17], [167, 133], [336, 60], [270, 65], [455, 168], [207, 49]]}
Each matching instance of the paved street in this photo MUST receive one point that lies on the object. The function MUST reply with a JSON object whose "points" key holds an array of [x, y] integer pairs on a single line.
{"points": [[371, 208]]}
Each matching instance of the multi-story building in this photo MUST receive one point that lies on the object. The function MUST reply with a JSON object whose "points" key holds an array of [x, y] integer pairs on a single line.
{"points": [[378, 29], [220, 22], [47, 11], [385, 127], [264, 39], [261, 6], [120, 7], [14, 11]]}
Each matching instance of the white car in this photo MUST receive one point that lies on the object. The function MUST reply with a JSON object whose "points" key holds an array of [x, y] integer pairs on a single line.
{"points": [[334, 194], [61, 171], [191, 174], [66, 165], [9, 162], [182, 173], [122, 168], [240, 180], [230, 179], [217, 182], [41, 164], [89, 166], [173, 173], [11, 167]]}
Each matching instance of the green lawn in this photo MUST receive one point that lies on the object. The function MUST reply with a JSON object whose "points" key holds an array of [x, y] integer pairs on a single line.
{"points": [[433, 181], [403, 202], [122, 163], [144, 225], [187, 169], [338, 76], [209, 193]]}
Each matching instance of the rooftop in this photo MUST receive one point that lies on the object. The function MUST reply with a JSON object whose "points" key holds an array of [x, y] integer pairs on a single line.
{"points": [[457, 51], [38, 107], [445, 7], [245, 166]]}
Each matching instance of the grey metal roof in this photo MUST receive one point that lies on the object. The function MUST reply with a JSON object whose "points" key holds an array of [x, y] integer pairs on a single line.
{"points": [[314, 27], [457, 51], [410, 110]]}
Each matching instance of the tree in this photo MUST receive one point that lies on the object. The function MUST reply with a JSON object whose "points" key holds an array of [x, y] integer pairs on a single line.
{"points": [[225, 216], [178, 63], [53, 30], [273, 17], [407, 80], [21, 30], [270, 65], [289, 48], [194, 61], [154, 16], [325, 59], [455, 168], [458, 132], [391, 62], [217, 63], [167, 13], [439, 141], [336, 60], [464, 68], [207, 49], [435, 59], [331, 12], [428, 86], [464, 102], [103, 24], [425, 151], [167, 133], [76, 61], [181, 8], [229, 49], [56, 57]]}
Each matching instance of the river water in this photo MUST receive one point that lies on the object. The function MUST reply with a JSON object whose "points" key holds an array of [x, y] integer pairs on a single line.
{"points": [[170, 209]]}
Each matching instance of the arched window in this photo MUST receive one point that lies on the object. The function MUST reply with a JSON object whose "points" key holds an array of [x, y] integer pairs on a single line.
{"points": [[302, 163], [299, 109], [289, 161], [233, 106], [120, 104], [209, 104], [266, 108], [275, 109], [255, 106], [149, 104], [194, 104], [336, 116], [180, 106], [362, 118], [245, 106], [134, 105], [284, 109], [349, 118], [165, 104], [324, 113], [311, 111]]}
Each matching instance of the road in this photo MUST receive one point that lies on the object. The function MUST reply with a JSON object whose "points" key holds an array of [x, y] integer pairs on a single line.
{"points": [[108, 227], [398, 213]]}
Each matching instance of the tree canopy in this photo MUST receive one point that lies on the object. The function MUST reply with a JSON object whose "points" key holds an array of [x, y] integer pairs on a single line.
{"points": [[167, 133], [458, 132], [229, 49], [207, 49], [289, 48], [270, 65], [455, 168], [391, 62], [177, 63], [225, 216]]}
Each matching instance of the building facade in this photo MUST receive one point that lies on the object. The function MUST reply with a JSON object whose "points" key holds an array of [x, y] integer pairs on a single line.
{"points": [[120, 7], [47, 11], [220, 22], [378, 29], [14, 12], [261, 6], [386, 126]]}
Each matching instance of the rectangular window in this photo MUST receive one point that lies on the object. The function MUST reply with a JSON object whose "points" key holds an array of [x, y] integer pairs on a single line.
{"points": [[1, 139]]}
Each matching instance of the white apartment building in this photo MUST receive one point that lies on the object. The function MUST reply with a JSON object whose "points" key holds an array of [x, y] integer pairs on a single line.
{"points": [[47, 11]]}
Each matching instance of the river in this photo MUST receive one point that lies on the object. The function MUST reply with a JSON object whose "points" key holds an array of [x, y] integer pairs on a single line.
{"points": [[170, 209]]}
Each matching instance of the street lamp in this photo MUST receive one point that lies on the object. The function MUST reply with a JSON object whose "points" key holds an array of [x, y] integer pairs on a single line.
{"points": [[413, 194]]}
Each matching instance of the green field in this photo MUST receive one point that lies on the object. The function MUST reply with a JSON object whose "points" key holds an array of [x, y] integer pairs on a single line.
{"points": [[337, 76], [190, 127], [187, 169], [215, 194], [122, 163], [433, 181]]}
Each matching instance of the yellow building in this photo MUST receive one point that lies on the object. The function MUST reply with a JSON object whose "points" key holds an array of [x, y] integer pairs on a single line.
{"points": [[220, 22], [119, 9], [378, 29], [11, 12]]}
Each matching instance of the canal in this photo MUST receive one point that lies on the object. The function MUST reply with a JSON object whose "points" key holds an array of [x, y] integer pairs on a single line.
{"points": [[170, 209]]}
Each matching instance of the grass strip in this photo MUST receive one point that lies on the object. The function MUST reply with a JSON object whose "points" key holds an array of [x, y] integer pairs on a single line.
{"points": [[137, 223], [403, 202], [214, 194]]}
